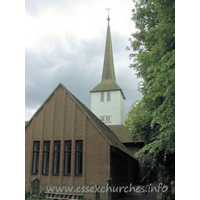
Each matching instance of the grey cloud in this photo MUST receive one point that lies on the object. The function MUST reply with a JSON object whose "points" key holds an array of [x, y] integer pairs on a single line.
{"points": [[79, 69]]}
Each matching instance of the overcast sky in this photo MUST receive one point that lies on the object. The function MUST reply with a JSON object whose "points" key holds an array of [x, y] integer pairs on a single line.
{"points": [[65, 43]]}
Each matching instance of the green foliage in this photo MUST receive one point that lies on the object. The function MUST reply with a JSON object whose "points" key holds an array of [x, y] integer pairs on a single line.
{"points": [[152, 119], [29, 195]]}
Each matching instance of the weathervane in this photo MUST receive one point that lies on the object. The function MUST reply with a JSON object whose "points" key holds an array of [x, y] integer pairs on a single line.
{"points": [[108, 13]]}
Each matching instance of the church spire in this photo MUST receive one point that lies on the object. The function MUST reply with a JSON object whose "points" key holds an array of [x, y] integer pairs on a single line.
{"points": [[108, 81], [107, 98], [108, 67]]}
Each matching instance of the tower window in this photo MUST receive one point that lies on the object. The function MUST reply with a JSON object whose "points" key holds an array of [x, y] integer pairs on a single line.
{"points": [[108, 118], [45, 166], [105, 118], [102, 96], [67, 157], [102, 118], [56, 158], [108, 96], [36, 150]]}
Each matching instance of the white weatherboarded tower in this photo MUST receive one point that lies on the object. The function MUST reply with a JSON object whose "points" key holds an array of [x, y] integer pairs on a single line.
{"points": [[107, 98]]}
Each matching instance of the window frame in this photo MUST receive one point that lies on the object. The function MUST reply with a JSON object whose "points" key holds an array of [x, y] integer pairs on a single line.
{"points": [[105, 117], [108, 96], [46, 154], [102, 118], [67, 155], [78, 156], [108, 116], [102, 95], [56, 156], [35, 159]]}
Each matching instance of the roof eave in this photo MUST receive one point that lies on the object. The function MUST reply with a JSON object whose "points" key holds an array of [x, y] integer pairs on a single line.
{"points": [[103, 90]]}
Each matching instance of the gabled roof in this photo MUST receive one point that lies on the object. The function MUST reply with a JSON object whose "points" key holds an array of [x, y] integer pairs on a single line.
{"points": [[123, 133], [107, 85], [104, 130]]}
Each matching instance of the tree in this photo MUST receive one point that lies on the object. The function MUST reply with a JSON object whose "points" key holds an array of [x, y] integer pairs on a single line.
{"points": [[152, 119]]}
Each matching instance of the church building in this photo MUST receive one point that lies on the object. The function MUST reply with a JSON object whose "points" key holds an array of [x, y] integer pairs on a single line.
{"points": [[107, 98], [70, 147]]}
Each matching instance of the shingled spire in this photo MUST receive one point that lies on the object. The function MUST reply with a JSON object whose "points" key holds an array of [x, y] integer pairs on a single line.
{"points": [[108, 67], [108, 81]]}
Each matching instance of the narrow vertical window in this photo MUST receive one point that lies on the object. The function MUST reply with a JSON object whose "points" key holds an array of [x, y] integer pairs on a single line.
{"points": [[108, 96], [102, 96], [79, 157], [45, 166], [102, 118], [56, 158], [36, 150], [108, 118], [67, 157]]}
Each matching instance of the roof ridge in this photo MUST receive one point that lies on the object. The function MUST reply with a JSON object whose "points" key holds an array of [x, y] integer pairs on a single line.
{"points": [[60, 84]]}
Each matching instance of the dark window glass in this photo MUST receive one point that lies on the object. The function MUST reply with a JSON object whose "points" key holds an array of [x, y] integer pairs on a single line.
{"points": [[79, 157], [46, 150], [67, 157], [56, 158], [36, 150]]}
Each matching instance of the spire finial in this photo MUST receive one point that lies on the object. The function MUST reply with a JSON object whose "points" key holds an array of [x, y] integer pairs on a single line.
{"points": [[108, 14]]}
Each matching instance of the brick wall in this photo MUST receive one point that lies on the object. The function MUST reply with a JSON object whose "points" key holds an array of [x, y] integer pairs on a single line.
{"points": [[61, 119]]}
